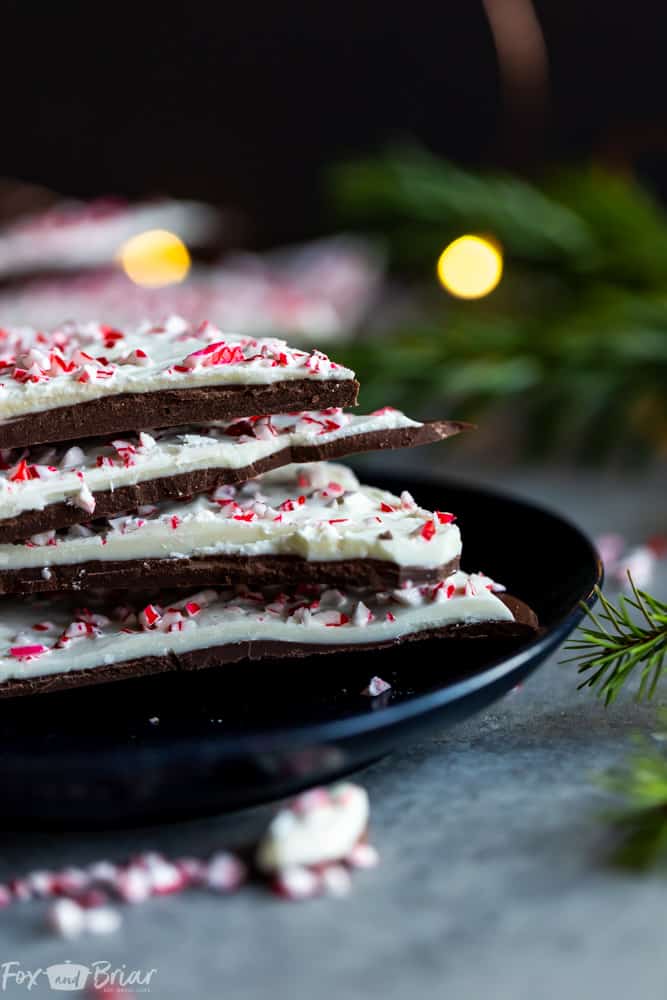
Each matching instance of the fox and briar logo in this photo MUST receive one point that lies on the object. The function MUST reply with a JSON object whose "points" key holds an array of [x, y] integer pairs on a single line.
{"points": [[72, 977]]}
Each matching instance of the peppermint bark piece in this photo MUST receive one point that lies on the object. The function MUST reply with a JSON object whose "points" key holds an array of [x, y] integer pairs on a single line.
{"points": [[87, 380], [77, 236], [43, 488], [316, 524], [50, 647]]}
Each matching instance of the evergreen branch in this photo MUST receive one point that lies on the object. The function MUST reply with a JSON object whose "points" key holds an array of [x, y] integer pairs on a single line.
{"points": [[622, 645], [640, 785], [575, 336]]}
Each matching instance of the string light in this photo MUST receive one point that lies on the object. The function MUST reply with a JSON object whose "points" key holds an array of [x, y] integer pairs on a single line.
{"points": [[470, 267], [155, 258]]}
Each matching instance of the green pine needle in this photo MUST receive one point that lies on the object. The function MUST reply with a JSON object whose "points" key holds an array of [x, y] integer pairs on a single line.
{"points": [[629, 639], [640, 785]]}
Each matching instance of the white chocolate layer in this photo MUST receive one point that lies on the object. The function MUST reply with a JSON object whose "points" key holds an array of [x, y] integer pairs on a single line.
{"points": [[52, 475], [42, 638], [44, 371], [319, 513]]}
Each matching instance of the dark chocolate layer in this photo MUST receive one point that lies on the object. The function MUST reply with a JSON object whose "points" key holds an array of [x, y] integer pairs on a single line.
{"points": [[174, 407], [524, 627], [217, 571], [109, 503]]}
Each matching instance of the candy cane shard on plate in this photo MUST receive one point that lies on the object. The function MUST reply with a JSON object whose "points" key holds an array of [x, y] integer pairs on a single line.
{"points": [[48, 487], [86, 380], [214, 628], [317, 525]]}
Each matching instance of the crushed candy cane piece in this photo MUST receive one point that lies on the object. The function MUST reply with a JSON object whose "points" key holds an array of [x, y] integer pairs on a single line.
{"points": [[84, 499], [427, 530], [225, 872], [66, 918], [102, 920], [639, 563], [336, 880], [133, 884], [297, 883], [20, 652], [376, 686], [363, 855]]}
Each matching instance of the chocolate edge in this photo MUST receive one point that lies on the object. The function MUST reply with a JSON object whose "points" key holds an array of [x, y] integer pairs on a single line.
{"points": [[115, 414], [217, 571]]}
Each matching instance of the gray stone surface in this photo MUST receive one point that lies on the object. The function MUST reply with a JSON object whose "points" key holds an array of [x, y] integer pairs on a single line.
{"points": [[492, 883]]}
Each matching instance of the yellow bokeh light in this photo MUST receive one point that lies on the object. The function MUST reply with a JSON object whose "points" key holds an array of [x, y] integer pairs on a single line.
{"points": [[155, 258], [470, 267]]}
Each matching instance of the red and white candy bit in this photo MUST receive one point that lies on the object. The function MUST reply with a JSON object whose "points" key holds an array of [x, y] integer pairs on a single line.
{"points": [[150, 616], [70, 881], [610, 547], [164, 877], [90, 899], [40, 884], [133, 884], [362, 615], [103, 872], [218, 353], [225, 872], [102, 920], [68, 919], [442, 591], [376, 686], [336, 880], [639, 560], [310, 800], [297, 883], [42, 538], [28, 652], [638, 563], [193, 870], [427, 530], [84, 499], [137, 357], [20, 890], [362, 855]]}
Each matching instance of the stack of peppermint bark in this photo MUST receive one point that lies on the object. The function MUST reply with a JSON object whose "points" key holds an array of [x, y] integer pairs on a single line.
{"points": [[168, 502]]}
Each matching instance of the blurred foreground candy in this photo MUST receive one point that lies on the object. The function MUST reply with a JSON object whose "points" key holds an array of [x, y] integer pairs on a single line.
{"points": [[319, 826], [638, 563]]}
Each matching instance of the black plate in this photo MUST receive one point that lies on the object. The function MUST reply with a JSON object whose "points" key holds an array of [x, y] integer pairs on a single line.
{"points": [[247, 734]]}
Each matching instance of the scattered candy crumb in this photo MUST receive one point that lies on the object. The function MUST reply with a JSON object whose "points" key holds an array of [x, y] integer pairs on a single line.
{"points": [[376, 686], [638, 561], [330, 826]]}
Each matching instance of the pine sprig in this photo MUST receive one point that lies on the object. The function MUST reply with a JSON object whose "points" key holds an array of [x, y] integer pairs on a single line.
{"points": [[640, 786], [628, 639], [570, 350]]}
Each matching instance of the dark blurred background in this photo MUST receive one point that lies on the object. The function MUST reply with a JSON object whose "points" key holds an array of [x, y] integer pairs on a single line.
{"points": [[536, 129], [243, 104]]}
